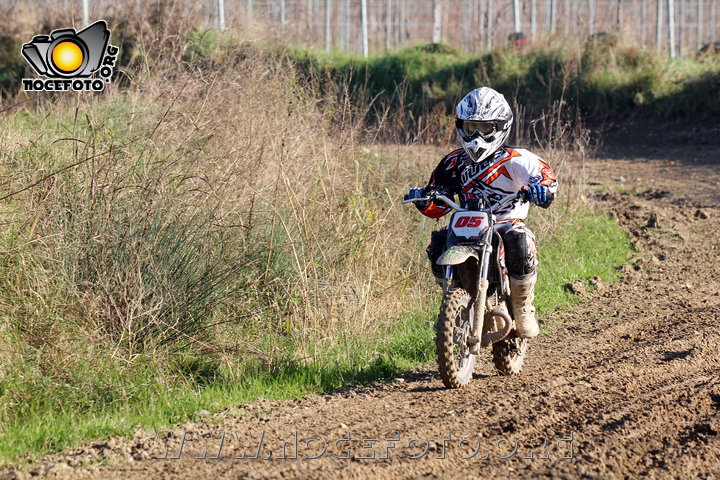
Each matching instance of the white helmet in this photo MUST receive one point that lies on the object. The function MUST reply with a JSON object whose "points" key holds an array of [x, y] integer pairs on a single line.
{"points": [[483, 119]]}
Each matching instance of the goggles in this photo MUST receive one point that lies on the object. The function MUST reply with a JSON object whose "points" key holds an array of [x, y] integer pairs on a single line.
{"points": [[470, 129]]}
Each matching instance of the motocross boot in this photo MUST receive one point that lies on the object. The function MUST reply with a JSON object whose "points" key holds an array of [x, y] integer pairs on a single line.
{"points": [[522, 293], [438, 272]]}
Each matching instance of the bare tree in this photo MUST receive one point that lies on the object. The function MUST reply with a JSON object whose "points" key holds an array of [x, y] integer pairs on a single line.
{"points": [[465, 19], [221, 14], [364, 24], [345, 25], [681, 28], [328, 14], [209, 6], [388, 24], [437, 22], [472, 24], [308, 14], [533, 20], [658, 27], [671, 27], [699, 14], [713, 19], [643, 20], [489, 24], [401, 30]]}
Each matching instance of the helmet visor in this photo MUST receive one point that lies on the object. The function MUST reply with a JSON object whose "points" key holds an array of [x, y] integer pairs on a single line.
{"points": [[470, 129]]}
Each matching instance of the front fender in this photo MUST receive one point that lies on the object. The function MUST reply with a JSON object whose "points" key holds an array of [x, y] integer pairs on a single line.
{"points": [[456, 255]]}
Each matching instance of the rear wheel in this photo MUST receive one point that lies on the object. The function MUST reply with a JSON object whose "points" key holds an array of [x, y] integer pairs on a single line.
{"points": [[455, 363], [509, 355]]}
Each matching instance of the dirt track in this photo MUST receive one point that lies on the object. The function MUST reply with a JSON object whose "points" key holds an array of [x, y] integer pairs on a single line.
{"points": [[632, 374]]}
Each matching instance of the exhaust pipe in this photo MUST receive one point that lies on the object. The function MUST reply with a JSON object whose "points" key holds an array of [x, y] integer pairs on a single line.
{"points": [[492, 337]]}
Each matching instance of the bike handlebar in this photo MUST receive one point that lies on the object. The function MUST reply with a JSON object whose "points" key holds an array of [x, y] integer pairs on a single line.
{"points": [[508, 198]]}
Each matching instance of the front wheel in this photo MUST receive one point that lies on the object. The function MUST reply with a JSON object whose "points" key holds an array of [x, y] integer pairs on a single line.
{"points": [[455, 362], [509, 355]]}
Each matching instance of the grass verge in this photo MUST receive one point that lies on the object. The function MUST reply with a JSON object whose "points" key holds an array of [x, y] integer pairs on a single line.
{"points": [[591, 245]]}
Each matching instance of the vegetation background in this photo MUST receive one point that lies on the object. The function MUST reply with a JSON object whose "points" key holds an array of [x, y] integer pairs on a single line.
{"points": [[224, 222]]}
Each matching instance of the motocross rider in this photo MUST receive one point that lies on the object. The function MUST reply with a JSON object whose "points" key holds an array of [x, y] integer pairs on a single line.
{"points": [[485, 167]]}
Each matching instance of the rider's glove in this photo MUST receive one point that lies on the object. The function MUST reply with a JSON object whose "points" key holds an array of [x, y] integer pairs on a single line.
{"points": [[537, 194], [417, 192]]}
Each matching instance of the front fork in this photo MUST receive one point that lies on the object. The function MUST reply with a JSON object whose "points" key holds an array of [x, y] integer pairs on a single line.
{"points": [[480, 298], [479, 306]]}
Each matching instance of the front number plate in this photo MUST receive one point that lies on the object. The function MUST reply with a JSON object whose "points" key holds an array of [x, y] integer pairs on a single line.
{"points": [[470, 224]]}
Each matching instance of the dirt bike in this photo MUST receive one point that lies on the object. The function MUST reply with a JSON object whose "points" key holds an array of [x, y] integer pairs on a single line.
{"points": [[475, 310]]}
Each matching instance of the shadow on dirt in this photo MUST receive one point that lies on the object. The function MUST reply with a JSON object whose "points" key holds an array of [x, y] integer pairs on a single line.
{"points": [[434, 388], [435, 379], [423, 377], [684, 151], [420, 376], [699, 433], [716, 400], [670, 356], [615, 424], [692, 144]]}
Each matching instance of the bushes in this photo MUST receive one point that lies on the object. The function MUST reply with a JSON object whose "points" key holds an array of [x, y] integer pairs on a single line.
{"points": [[605, 77], [12, 65], [209, 213]]}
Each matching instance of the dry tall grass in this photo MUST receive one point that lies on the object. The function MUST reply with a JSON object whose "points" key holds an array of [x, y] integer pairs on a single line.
{"points": [[217, 200], [202, 202]]}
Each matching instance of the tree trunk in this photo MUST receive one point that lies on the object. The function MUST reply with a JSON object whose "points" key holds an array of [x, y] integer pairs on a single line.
{"points": [[437, 22], [671, 27], [658, 27], [388, 24], [221, 14], [364, 24], [698, 44], [328, 14], [489, 25], [533, 20]]}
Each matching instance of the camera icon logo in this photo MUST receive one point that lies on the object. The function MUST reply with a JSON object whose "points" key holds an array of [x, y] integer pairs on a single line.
{"points": [[69, 59]]}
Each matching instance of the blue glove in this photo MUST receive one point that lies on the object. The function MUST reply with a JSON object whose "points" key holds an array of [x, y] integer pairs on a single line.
{"points": [[537, 194], [417, 192]]}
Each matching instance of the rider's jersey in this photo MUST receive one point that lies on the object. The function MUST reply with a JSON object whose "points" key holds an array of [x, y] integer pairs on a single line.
{"points": [[506, 172]]}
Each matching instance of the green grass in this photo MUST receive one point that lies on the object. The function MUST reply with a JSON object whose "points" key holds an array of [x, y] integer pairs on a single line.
{"points": [[591, 245], [56, 416], [103, 400]]}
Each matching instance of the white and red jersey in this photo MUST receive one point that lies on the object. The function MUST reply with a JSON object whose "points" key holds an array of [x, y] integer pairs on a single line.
{"points": [[506, 172]]}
